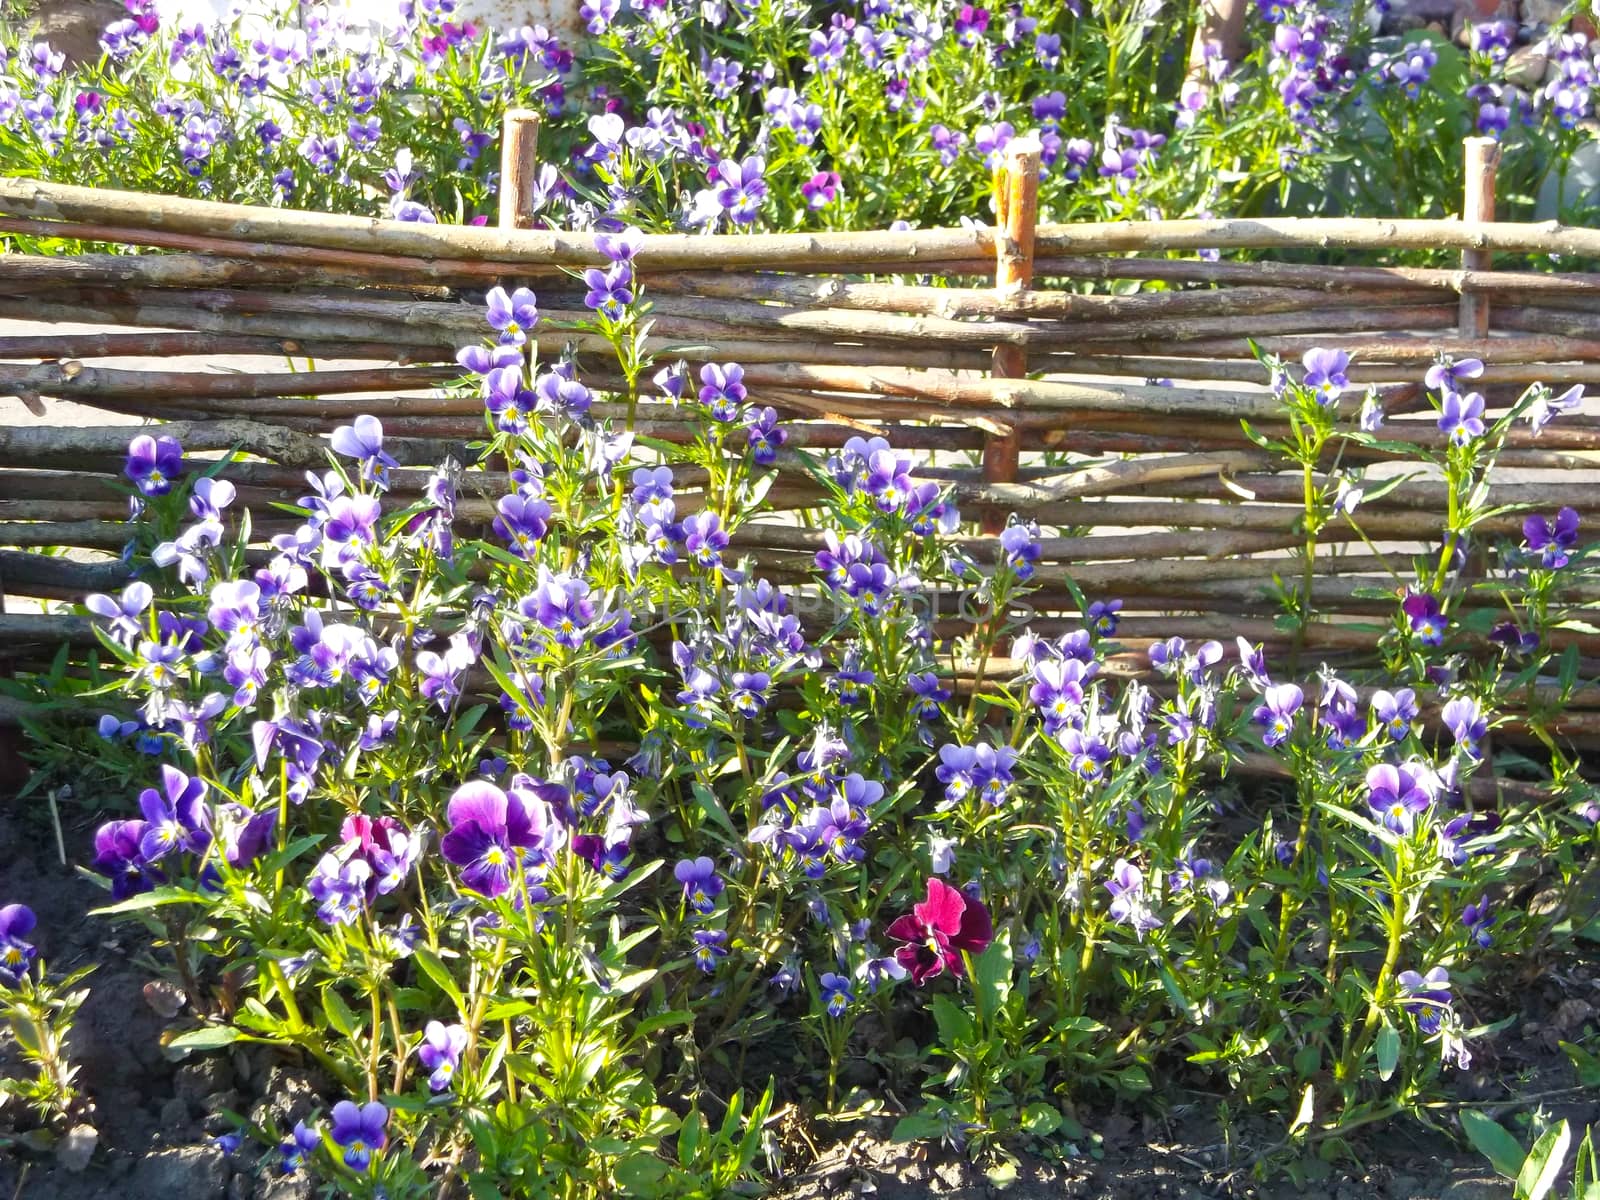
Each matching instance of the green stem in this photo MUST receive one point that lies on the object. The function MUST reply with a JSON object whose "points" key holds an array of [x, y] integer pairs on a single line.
{"points": [[291, 1006]]}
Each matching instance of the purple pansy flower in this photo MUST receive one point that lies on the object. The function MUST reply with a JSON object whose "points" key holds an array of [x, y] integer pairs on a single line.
{"points": [[359, 1129], [835, 993], [512, 316], [1444, 376], [1276, 713], [176, 816], [1325, 374], [701, 885], [1128, 904], [740, 187], [298, 1149], [521, 521], [154, 464], [1554, 540], [722, 389], [493, 831], [362, 440], [1545, 407], [710, 945], [821, 190], [121, 614], [1426, 619], [1399, 794], [440, 1052], [765, 437], [1462, 417], [1394, 711], [119, 858], [1477, 918], [1426, 997], [610, 291], [1465, 720], [16, 953]]}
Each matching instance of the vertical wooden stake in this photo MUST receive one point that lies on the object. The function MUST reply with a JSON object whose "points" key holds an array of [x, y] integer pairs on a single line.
{"points": [[1018, 200], [519, 164], [1482, 157]]}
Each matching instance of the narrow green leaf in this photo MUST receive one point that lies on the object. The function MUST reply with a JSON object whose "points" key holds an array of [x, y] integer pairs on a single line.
{"points": [[1492, 1141], [338, 1012], [1388, 1051], [1308, 1105], [1544, 1162], [207, 1037], [435, 970]]}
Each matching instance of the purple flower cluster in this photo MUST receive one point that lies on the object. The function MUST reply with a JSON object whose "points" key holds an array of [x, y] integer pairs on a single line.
{"points": [[374, 857]]}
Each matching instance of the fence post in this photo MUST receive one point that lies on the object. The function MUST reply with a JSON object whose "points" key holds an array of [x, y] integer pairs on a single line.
{"points": [[1017, 200], [519, 164], [1481, 158]]}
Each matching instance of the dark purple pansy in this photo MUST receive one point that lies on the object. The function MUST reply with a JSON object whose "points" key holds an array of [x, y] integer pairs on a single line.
{"points": [[938, 931]]}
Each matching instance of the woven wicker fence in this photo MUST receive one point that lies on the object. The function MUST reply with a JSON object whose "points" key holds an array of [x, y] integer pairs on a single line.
{"points": [[1148, 493]]}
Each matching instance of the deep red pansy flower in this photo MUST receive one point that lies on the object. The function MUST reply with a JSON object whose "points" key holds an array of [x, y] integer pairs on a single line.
{"points": [[938, 930]]}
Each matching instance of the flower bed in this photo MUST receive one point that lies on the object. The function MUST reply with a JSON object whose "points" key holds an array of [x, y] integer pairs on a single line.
{"points": [[795, 116], [703, 689], [527, 829]]}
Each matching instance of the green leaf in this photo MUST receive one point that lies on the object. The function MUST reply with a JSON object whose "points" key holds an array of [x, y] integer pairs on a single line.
{"points": [[712, 807], [666, 1020], [153, 899], [339, 1014], [992, 976], [1388, 1051], [916, 1128], [1174, 992], [1585, 1064], [694, 1128], [433, 967], [1492, 1141], [638, 1175], [1544, 1162], [1002, 1174], [1308, 1107], [207, 1037], [1132, 1079], [956, 1027], [1569, 670], [1041, 1120]]}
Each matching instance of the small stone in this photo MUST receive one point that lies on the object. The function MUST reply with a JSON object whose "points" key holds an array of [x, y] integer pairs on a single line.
{"points": [[241, 1187], [182, 1173], [1571, 1015], [1526, 66], [948, 1175], [165, 999], [75, 1149], [174, 1114], [289, 1096], [217, 1106], [287, 1187], [196, 1080]]}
